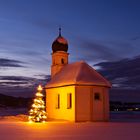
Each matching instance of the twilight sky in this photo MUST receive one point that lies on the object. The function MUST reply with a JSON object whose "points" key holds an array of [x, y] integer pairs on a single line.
{"points": [[97, 31]]}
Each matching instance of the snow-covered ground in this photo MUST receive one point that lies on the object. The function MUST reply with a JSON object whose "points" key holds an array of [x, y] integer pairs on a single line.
{"points": [[69, 131], [122, 126]]}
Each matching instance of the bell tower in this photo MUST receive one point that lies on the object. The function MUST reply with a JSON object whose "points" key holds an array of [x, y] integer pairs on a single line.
{"points": [[59, 54]]}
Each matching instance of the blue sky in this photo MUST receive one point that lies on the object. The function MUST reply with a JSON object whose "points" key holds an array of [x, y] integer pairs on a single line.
{"points": [[97, 31]]}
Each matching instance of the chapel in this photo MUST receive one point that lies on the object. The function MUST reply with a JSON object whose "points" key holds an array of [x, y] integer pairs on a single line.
{"points": [[76, 91]]}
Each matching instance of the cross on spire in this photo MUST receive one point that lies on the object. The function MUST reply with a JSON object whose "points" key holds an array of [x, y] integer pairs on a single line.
{"points": [[59, 31]]}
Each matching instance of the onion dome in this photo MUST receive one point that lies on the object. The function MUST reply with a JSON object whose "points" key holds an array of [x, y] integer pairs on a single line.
{"points": [[60, 43]]}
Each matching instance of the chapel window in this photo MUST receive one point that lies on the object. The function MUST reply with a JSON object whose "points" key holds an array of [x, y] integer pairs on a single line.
{"points": [[69, 101], [97, 96], [58, 101]]}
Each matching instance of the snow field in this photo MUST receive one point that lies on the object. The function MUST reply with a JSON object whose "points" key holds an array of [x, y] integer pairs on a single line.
{"points": [[69, 131]]}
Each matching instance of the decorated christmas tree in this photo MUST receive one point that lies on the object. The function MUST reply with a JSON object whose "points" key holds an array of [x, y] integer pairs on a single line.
{"points": [[37, 112]]}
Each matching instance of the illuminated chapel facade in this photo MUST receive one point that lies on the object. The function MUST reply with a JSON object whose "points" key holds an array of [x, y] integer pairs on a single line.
{"points": [[76, 92]]}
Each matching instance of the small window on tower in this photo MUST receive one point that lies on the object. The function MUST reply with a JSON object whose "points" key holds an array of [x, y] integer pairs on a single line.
{"points": [[96, 96], [62, 61]]}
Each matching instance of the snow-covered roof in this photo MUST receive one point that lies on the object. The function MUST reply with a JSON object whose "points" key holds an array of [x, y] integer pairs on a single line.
{"points": [[62, 40], [78, 73]]}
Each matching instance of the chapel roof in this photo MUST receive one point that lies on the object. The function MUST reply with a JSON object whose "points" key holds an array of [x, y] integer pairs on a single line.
{"points": [[77, 73]]}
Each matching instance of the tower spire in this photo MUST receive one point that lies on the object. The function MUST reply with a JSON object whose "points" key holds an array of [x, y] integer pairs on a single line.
{"points": [[59, 30]]}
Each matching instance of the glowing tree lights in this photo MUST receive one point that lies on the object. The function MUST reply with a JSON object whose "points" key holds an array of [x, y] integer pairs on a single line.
{"points": [[37, 112]]}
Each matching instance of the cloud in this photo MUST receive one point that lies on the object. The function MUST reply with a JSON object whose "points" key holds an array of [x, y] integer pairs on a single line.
{"points": [[16, 78], [94, 50], [20, 85], [10, 63], [103, 50], [13, 80], [125, 78], [135, 38], [124, 74]]}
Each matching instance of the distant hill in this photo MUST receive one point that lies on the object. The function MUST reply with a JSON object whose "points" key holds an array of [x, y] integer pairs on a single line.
{"points": [[16, 102]]}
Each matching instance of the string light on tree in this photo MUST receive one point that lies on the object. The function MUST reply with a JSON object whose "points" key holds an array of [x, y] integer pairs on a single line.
{"points": [[37, 112]]}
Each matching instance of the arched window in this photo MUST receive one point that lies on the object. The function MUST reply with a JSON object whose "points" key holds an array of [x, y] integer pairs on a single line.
{"points": [[62, 61]]}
